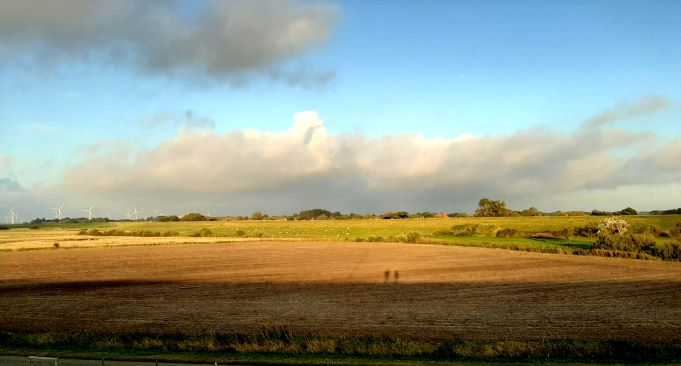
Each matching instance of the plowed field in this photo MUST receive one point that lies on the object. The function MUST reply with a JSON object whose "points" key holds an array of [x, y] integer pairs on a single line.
{"points": [[341, 289]]}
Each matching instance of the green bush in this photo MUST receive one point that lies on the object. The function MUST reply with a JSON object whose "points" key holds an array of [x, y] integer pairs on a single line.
{"points": [[193, 216], [668, 251], [203, 233], [3, 227], [589, 230], [505, 233], [648, 229], [413, 237], [543, 235], [675, 231], [464, 230], [628, 242], [171, 218]]}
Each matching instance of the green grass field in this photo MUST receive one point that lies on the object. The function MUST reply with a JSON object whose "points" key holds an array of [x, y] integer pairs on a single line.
{"points": [[428, 228], [364, 228], [530, 233]]}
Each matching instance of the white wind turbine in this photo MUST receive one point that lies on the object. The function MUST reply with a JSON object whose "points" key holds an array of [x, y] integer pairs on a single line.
{"points": [[58, 212], [13, 216], [89, 213], [135, 213]]}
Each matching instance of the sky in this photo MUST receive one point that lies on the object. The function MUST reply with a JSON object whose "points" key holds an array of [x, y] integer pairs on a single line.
{"points": [[231, 107]]}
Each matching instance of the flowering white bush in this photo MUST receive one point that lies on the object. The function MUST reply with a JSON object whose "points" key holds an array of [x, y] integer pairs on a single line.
{"points": [[613, 225]]}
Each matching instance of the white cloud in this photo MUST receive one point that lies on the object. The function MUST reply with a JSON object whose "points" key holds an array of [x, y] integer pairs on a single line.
{"points": [[306, 166], [187, 119], [228, 39], [642, 107]]}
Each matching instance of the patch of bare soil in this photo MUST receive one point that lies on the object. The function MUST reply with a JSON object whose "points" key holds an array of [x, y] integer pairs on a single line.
{"points": [[337, 289]]}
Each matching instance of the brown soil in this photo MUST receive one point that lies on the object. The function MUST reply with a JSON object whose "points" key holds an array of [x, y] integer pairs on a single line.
{"points": [[340, 289]]}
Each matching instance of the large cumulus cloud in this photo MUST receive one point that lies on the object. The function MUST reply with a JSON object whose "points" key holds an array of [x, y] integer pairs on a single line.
{"points": [[227, 38], [307, 166]]}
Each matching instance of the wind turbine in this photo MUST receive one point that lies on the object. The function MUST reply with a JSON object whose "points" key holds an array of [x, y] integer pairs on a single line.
{"points": [[13, 216], [135, 213], [58, 213], [89, 213]]}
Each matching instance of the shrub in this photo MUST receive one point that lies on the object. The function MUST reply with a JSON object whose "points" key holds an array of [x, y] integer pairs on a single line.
{"points": [[464, 230], [505, 233], [413, 237], [240, 233], [55, 246], [648, 229], [589, 230], [675, 231], [668, 251], [616, 234], [613, 225], [568, 233], [203, 233], [3, 227], [542, 235], [643, 241]]}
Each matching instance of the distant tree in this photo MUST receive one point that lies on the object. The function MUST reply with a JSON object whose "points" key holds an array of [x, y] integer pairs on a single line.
{"points": [[458, 214], [316, 214], [600, 213], [193, 216], [258, 216], [676, 211], [491, 208], [627, 211], [170, 218], [532, 211], [395, 215]]}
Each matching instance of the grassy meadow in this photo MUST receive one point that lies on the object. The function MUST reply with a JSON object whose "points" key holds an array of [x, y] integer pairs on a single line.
{"points": [[529, 233]]}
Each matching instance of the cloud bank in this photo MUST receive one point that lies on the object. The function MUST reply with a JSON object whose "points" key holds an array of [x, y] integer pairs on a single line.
{"points": [[227, 39], [642, 107], [306, 166]]}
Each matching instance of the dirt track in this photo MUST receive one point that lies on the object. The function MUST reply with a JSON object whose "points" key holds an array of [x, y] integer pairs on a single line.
{"points": [[340, 289]]}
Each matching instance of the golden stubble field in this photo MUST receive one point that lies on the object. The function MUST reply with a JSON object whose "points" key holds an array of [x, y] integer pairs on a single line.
{"points": [[25, 239], [329, 288]]}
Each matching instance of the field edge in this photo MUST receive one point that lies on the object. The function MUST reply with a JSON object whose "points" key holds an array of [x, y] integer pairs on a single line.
{"points": [[279, 346]]}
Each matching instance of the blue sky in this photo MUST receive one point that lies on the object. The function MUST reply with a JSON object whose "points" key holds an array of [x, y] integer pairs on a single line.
{"points": [[373, 70]]}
